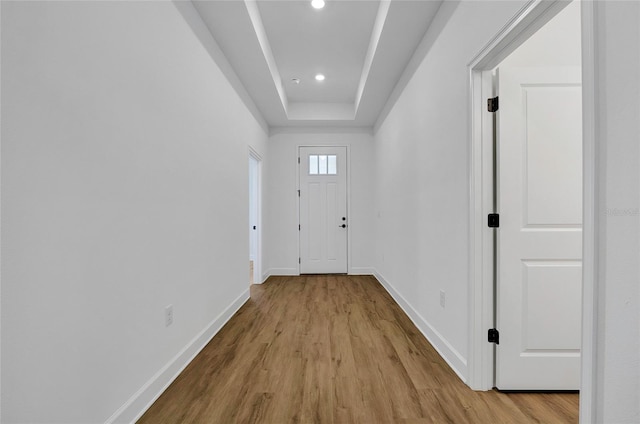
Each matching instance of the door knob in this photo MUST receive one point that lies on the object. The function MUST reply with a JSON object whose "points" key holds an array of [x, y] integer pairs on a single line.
{"points": [[254, 227], [343, 226]]}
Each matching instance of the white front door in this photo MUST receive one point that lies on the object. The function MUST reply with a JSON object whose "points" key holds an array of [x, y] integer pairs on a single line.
{"points": [[540, 236], [323, 210]]}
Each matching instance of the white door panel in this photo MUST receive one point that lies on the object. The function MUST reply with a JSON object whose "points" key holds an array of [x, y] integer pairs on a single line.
{"points": [[540, 234], [323, 210]]}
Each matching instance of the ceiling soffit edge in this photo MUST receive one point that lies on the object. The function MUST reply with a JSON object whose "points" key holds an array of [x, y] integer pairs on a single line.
{"points": [[277, 130], [261, 34], [383, 11]]}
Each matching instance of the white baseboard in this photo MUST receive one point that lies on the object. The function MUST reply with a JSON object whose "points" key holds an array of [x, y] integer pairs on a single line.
{"points": [[456, 361], [361, 271], [266, 276], [137, 405], [281, 271], [294, 271]]}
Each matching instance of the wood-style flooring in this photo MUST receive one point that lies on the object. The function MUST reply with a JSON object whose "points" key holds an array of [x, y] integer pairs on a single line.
{"points": [[334, 349]]}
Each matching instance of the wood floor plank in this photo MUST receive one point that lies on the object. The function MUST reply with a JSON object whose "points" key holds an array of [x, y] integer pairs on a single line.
{"points": [[416, 363], [334, 350]]}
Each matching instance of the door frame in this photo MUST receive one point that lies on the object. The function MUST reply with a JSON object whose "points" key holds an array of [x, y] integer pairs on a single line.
{"points": [[348, 188], [257, 265], [480, 359]]}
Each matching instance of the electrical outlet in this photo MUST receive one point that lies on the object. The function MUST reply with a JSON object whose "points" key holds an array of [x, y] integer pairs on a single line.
{"points": [[168, 315], [442, 298]]}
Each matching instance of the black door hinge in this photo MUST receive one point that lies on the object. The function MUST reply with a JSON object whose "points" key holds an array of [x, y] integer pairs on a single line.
{"points": [[493, 220], [298, 227], [299, 261], [493, 336], [492, 104]]}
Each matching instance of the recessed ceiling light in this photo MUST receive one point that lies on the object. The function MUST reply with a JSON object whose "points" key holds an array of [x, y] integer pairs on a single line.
{"points": [[317, 4], [319, 77]]}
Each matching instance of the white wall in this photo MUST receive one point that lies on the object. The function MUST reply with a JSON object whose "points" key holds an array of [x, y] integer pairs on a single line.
{"points": [[124, 189], [422, 190], [281, 240], [617, 389]]}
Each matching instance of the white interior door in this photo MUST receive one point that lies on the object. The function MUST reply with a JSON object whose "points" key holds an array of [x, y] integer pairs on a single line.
{"points": [[254, 201], [540, 234], [323, 210]]}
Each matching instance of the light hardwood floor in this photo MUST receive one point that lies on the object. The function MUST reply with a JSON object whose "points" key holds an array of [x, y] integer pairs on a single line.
{"points": [[334, 349]]}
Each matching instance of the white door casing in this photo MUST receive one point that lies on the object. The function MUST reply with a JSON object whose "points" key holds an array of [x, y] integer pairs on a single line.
{"points": [[539, 294], [323, 210]]}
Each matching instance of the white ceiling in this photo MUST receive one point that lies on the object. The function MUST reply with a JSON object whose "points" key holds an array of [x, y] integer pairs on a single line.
{"points": [[361, 46]]}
